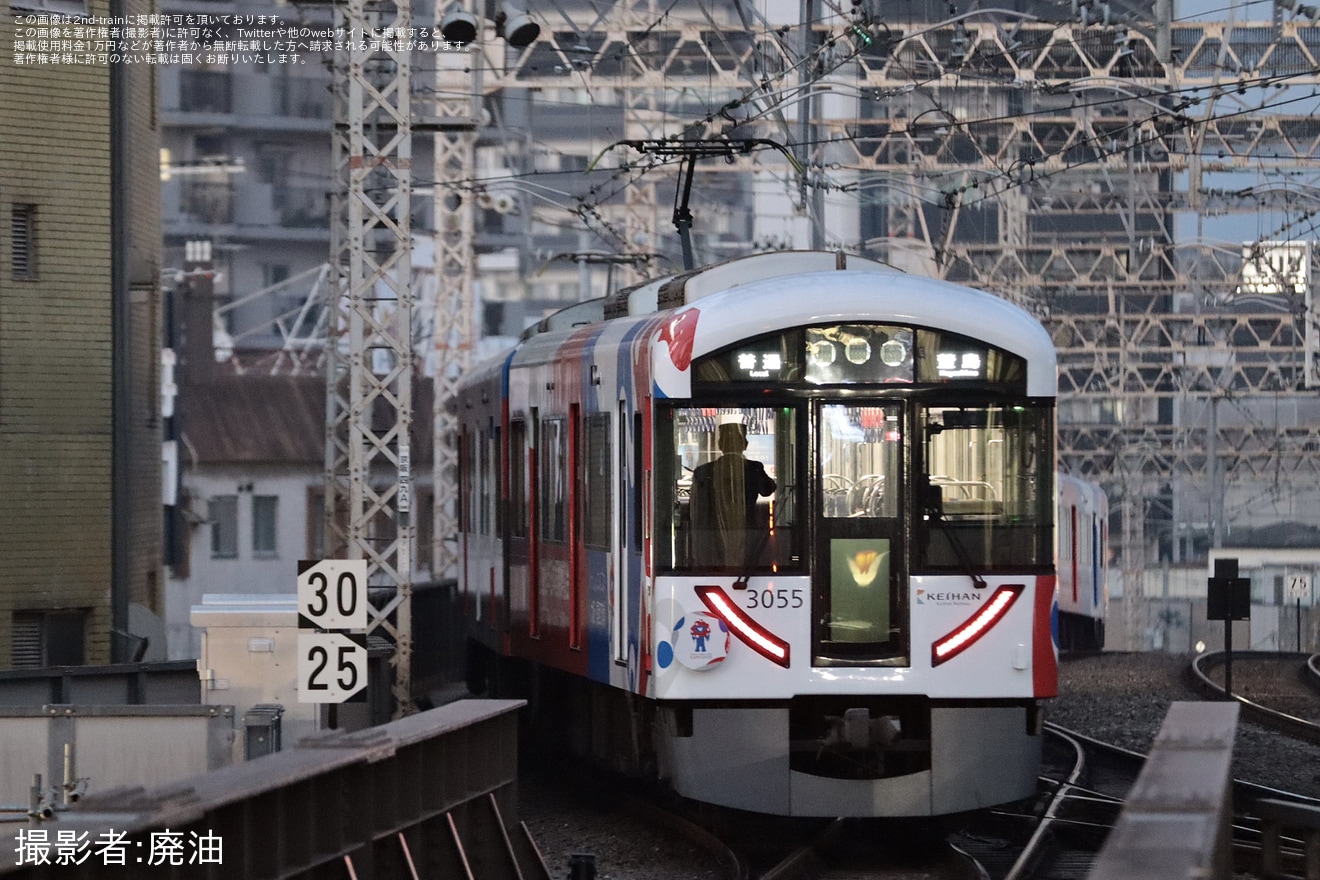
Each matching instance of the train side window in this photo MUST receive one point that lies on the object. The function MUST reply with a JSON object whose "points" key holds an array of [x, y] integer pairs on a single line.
{"points": [[638, 482], [598, 490], [552, 478], [496, 482], [464, 481], [490, 484], [518, 479], [482, 455]]}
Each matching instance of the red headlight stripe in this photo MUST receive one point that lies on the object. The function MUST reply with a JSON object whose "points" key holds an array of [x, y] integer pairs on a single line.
{"points": [[977, 625], [748, 631]]}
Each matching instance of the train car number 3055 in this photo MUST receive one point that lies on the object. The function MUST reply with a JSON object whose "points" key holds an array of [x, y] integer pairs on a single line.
{"points": [[774, 597]]}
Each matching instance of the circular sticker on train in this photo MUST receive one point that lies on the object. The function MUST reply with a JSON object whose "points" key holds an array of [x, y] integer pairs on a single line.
{"points": [[701, 640]]}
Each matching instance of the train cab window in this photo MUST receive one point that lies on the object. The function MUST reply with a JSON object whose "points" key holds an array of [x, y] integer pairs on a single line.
{"points": [[727, 499], [986, 495]]}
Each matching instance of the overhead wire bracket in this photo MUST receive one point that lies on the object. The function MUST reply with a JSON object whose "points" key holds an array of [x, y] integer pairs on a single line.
{"points": [[690, 151]]}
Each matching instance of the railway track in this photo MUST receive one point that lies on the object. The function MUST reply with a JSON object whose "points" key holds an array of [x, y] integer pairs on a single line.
{"points": [[1311, 673], [1090, 780], [1056, 835], [1083, 784], [868, 849], [1294, 669], [1288, 723]]}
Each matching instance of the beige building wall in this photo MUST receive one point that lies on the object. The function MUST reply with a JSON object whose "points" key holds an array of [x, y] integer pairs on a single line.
{"points": [[142, 165], [56, 335]]}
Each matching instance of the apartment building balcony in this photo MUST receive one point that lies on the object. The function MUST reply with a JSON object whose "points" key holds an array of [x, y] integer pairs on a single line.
{"points": [[243, 209], [244, 98]]}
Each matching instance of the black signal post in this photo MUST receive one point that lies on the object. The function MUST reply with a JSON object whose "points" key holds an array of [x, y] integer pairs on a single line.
{"points": [[1228, 598]]}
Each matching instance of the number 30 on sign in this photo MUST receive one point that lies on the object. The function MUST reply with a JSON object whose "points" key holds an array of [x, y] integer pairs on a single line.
{"points": [[332, 667], [332, 594]]}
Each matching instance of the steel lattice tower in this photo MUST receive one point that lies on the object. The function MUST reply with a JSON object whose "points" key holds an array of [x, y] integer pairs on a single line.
{"points": [[458, 115], [369, 364]]}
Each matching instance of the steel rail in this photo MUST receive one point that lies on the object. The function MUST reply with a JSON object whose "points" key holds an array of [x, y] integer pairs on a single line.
{"points": [[1289, 725]]}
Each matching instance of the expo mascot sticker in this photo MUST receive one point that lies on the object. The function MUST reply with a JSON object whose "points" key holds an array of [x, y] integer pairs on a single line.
{"points": [[700, 640]]}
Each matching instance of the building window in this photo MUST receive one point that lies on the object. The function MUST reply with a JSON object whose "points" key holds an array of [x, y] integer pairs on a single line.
{"points": [[23, 242], [62, 7], [315, 524], [48, 638], [423, 518], [273, 273], [223, 516], [264, 510]]}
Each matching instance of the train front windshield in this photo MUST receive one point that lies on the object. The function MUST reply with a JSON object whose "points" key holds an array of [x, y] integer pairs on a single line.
{"points": [[734, 489], [933, 463], [989, 493]]}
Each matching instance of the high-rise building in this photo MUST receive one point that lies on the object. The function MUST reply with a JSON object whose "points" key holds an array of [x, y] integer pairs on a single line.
{"points": [[245, 164]]}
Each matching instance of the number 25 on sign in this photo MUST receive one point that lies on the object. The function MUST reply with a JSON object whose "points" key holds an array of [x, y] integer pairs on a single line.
{"points": [[332, 667]]}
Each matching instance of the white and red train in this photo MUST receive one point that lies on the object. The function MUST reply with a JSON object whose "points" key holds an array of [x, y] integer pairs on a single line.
{"points": [[1083, 565], [860, 621]]}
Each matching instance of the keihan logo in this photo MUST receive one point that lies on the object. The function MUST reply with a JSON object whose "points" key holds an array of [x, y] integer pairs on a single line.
{"points": [[947, 598], [864, 564]]}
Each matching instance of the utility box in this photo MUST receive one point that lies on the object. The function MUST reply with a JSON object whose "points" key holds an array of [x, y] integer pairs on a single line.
{"points": [[261, 727], [249, 659]]}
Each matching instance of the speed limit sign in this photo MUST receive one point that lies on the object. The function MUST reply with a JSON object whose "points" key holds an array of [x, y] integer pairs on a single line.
{"points": [[332, 667], [332, 594]]}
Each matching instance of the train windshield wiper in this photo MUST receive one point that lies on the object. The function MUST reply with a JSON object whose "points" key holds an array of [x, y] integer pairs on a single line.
{"points": [[753, 554], [935, 513]]}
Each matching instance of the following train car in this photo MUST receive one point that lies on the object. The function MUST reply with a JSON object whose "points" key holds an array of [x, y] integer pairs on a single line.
{"points": [[1083, 565], [779, 531]]}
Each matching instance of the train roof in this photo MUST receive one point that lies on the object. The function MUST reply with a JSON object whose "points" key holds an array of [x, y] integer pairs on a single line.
{"points": [[671, 291], [1087, 492], [802, 288]]}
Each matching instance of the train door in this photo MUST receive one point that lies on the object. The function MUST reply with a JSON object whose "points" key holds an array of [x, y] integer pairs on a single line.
{"points": [[859, 558], [535, 494], [517, 555]]}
